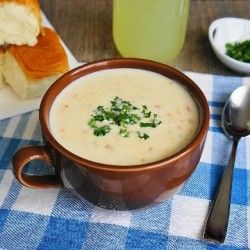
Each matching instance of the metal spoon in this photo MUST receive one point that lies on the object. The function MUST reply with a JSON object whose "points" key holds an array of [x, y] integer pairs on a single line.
{"points": [[236, 124]]}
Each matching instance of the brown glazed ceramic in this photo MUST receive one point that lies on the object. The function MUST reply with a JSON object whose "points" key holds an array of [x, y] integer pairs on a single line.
{"points": [[108, 186]]}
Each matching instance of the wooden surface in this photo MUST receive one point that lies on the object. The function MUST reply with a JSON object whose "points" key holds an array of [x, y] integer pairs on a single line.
{"points": [[86, 28]]}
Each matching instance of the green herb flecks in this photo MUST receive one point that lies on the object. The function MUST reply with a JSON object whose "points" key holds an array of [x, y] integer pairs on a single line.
{"points": [[239, 51], [153, 123], [124, 132], [146, 113], [101, 131], [123, 114], [143, 135]]}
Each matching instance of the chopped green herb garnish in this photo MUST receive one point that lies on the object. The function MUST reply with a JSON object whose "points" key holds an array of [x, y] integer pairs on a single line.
{"points": [[101, 131], [145, 111], [239, 50], [122, 114], [99, 110], [153, 123], [124, 132], [143, 135], [92, 122], [147, 124], [99, 118]]}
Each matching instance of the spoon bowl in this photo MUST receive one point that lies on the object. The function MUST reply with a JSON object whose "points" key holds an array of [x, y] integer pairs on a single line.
{"points": [[235, 124], [236, 113]]}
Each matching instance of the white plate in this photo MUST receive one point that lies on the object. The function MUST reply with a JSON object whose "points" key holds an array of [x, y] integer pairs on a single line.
{"points": [[229, 30], [11, 104]]}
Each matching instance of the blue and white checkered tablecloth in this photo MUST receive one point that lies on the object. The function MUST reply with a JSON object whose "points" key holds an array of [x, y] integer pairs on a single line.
{"points": [[55, 219]]}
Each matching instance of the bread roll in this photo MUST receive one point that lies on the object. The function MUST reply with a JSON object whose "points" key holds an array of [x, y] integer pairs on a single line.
{"points": [[1, 67], [31, 70], [20, 21]]}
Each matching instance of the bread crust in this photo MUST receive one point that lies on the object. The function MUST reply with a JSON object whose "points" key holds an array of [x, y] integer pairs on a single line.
{"points": [[46, 58], [32, 4]]}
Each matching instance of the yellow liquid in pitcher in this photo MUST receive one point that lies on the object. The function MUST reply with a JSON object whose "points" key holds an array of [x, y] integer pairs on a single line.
{"points": [[150, 29]]}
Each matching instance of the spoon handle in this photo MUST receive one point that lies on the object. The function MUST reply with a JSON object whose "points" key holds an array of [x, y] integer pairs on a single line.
{"points": [[217, 222]]}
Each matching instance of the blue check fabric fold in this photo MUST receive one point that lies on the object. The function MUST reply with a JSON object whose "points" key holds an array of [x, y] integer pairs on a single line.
{"points": [[56, 219]]}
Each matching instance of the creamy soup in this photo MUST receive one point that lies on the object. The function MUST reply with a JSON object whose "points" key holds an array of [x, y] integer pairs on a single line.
{"points": [[166, 117]]}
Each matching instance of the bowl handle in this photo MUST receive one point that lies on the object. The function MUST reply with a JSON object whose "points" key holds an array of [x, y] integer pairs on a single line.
{"points": [[24, 156]]}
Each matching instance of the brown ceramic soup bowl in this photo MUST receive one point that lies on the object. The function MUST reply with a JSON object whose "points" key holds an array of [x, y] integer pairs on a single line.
{"points": [[113, 186]]}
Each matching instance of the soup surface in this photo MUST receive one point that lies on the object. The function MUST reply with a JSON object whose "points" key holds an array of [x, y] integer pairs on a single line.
{"points": [[166, 117]]}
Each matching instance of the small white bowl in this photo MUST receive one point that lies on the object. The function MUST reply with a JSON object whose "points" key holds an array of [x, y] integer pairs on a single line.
{"points": [[229, 30]]}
